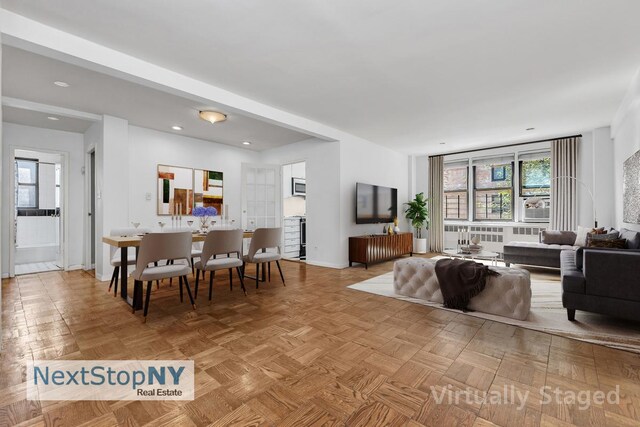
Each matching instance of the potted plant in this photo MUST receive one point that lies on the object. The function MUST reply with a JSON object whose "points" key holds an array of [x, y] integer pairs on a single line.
{"points": [[418, 214]]}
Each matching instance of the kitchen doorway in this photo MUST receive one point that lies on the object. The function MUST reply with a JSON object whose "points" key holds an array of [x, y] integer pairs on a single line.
{"points": [[294, 211]]}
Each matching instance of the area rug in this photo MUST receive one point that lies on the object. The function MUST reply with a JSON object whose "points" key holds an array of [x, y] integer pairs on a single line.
{"points": [[547, 313]]}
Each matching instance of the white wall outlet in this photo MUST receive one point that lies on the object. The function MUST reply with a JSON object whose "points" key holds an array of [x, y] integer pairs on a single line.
{"points": [[147, 196]]}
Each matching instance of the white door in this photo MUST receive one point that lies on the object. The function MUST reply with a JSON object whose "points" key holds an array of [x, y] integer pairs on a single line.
{"points": [[260, 196]]}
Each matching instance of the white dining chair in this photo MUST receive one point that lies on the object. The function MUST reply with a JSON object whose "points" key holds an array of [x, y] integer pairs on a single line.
{"points": [[262, 240], [221, 242], [160, 246]]}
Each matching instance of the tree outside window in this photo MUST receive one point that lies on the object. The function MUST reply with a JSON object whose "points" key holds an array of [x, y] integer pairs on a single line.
{"points": [[493, 192]]}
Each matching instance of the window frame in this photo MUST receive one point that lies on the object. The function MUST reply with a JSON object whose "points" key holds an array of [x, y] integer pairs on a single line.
{"points": [[36, 185], [520, 181], [476, 189], [465, 191]]}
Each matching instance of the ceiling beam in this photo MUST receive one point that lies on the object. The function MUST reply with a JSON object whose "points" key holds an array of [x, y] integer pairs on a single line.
{"points": [[49, 109], [27, 34]]}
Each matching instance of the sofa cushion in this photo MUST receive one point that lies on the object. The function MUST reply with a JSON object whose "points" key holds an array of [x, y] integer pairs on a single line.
{"points": [[533, 253], [632, 238], [553, 237]]}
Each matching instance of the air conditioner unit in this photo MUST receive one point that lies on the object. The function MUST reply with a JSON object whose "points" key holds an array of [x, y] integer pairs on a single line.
{"points": [[536, 209]]}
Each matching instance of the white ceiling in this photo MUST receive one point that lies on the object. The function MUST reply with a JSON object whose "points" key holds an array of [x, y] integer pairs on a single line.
{"points": [[29, 76], [407, 74]]}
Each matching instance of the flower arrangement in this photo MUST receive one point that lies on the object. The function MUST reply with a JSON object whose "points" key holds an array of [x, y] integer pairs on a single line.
{"points": [[204, 213]]}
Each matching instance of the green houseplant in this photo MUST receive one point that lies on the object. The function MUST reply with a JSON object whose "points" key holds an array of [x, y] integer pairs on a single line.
{"points": [[418, 214]]}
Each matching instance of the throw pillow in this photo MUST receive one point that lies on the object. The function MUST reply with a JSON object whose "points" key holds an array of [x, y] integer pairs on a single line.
{"points": [[632, 238], [553, 237], [600, 230], [612, 244], [607, 236], [581, 236]]}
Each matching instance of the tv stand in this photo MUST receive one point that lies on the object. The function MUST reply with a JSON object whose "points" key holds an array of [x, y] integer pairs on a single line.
{"points": [[374, 248]]}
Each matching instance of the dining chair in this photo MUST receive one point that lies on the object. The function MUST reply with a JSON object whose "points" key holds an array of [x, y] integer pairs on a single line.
{"points": [[115, 256], [196, 247], [221, 242], [263, 239], [160, 246]]}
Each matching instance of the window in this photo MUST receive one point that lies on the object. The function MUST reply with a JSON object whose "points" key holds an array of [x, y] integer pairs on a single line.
{"points": [[493, 190], [535, 176], [456, 178], [27, 188]]}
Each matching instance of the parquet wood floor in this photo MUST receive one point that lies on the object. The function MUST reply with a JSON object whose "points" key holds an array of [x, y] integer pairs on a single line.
{"points": [[310, 353]]}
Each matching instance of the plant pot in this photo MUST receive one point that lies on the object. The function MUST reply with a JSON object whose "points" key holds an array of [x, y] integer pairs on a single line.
{"points": [[420, 246]]}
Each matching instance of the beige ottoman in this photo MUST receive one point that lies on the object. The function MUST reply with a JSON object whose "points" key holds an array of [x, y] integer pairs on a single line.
{"points": [[507, 295]]}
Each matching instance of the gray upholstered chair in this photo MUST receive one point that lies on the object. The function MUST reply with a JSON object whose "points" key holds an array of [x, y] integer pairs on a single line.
{"points": [[115, 256], [262, 240], [221, 242], [196, 247], [159, 246]]}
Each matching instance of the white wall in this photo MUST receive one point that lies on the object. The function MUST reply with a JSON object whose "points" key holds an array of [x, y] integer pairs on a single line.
{"points": [[148, 148], [595, 170], [26, 137], [625, 131], [362, 161]]}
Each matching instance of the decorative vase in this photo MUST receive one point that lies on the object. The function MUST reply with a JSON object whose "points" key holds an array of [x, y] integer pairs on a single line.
{"points": [[204, 227], [420, 246], [384, 230], [396, 229]]}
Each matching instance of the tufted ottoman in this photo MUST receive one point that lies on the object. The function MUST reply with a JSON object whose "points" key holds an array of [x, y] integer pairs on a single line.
{"points": [[506, 295]]}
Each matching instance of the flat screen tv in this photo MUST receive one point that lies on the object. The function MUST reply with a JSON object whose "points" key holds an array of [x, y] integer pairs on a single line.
{"points": [[375, 204]]}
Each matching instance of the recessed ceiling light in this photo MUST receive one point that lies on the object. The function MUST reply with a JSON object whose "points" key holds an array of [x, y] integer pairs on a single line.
{"points": [[442, 143], [61, 84], [53, 118], [212, 116], [246, 143], [176, 127], [530, 128]]}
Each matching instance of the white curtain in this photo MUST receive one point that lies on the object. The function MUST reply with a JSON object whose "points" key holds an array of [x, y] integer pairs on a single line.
{"points": [[436, 193], [564, 159]]}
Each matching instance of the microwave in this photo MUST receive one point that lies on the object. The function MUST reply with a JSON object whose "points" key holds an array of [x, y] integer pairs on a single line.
{"points": [[298, 187]]}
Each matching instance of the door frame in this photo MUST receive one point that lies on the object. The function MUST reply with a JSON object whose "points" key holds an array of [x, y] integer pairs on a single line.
{"points": [[88, 171], [64, 203], [282, 165]]}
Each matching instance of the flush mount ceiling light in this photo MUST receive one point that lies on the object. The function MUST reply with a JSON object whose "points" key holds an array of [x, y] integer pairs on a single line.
{"points": [[53, 118], [529, 128], [61, 84], [212, 116], [442, 143], [176, 127], [246, 143]]}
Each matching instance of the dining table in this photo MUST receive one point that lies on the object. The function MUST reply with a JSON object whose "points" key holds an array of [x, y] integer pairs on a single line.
{"points": [[124, 243]]}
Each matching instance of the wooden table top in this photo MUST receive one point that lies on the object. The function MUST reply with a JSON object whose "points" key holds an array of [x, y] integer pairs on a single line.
{"points": [[134, 241]]}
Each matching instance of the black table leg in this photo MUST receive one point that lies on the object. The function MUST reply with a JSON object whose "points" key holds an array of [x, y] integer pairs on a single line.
{"points": [[136, 300]]}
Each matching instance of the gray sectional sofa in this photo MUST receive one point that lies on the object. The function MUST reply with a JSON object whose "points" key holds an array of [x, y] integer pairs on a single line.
{"points": [[605, 281], [545, 253]]}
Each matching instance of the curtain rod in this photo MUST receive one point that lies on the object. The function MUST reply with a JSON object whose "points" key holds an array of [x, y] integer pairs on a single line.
{"points": [[507, 145]]}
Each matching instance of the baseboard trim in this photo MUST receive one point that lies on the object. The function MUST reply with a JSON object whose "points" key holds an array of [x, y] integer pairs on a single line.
{"points": [[328, 264]]}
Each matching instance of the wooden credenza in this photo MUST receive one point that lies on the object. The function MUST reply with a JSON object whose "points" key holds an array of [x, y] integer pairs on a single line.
{"points": [[379, 247]]}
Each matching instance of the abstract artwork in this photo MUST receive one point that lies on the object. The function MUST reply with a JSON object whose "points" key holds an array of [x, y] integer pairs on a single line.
{"points": [[631, 189], [207, 188], [175, 190]]}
